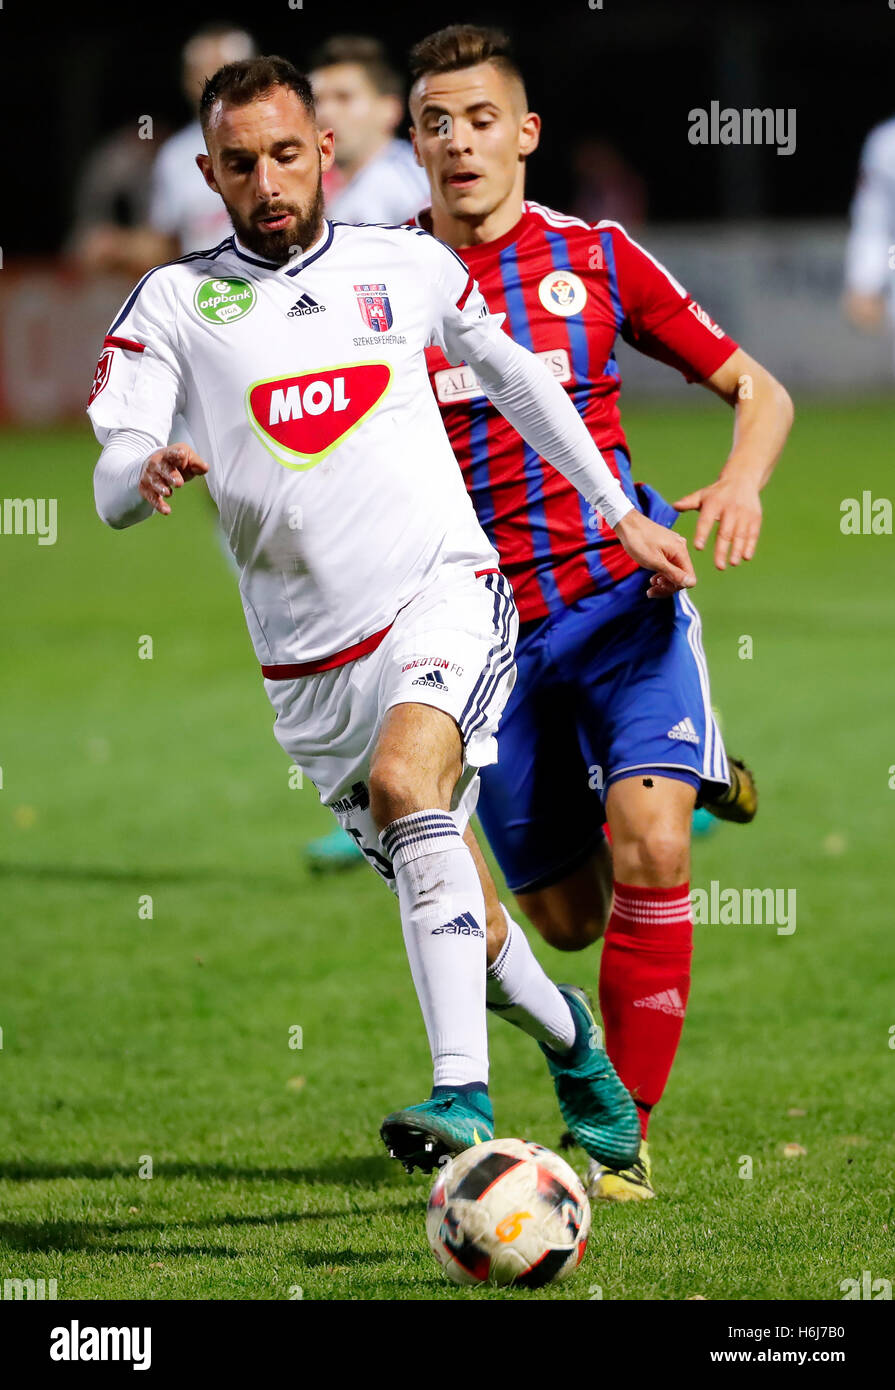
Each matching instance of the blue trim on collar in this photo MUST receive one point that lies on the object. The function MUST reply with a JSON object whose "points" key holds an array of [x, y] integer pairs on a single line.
{"points": [[281, 265], [303, 265], [252, 260]]}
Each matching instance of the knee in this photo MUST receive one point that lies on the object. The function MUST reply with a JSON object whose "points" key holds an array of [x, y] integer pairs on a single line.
{"points": [[563, 930], [393, 791], [399, 787], [658, 859]]}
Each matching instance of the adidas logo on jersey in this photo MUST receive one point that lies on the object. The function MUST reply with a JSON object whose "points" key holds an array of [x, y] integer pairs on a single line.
{"points": [[684, 731], [305, 305], [667, 1001], [433, 679], [464, 925]]}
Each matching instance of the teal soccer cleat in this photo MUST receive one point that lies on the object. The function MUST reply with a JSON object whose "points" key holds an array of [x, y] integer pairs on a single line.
{"points": [[452, 1120], [333, 852], [597, 1108]]}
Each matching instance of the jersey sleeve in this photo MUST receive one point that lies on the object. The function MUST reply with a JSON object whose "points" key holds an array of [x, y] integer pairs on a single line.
{"points": [[461, 320], [659, 317], [138, 383]]}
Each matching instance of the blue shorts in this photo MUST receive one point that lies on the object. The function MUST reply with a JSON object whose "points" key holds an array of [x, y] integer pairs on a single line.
{"points": [[614, 686]]}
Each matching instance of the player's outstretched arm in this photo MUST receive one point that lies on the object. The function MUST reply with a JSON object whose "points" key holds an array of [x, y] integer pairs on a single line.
{"points": [[763, 416], [535, 404], [129, 483]]}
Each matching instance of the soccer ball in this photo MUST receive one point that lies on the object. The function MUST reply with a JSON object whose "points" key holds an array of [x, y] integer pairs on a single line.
{"points": [[508, 1212]]}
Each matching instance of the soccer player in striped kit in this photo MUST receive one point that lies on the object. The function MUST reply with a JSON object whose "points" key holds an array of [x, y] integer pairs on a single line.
{"points": [[611, 716]]}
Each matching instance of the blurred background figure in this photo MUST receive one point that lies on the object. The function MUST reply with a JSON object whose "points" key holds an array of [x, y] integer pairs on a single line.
{"points": [[113, 191], [870, 251], [361, 96], [607, 186], [179, 212]]}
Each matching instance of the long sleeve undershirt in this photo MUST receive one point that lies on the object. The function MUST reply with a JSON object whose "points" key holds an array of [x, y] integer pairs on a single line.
{"points": [[117, 475], [538, 408], [520, 387]]}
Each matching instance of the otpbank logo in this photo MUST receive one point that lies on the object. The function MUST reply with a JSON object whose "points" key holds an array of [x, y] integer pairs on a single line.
{"points": [[301, 419]]}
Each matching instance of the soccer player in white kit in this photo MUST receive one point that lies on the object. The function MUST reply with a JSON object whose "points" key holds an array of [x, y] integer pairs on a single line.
{"points": [[294, 351]]}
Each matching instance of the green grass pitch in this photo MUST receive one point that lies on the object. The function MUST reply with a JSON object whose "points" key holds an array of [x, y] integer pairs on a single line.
{"points": [[127, 1039]]}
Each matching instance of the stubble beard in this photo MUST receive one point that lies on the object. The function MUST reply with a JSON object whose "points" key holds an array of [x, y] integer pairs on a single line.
{"points": [[281, 246]]}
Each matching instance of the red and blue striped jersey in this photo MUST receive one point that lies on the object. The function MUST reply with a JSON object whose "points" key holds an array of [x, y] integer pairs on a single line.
{"points": [[568, 290]]}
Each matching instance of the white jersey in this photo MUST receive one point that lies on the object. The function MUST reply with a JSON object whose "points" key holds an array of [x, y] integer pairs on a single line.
{"points": [[871, 245], [391, 188], [305, 389], [181, 204]]}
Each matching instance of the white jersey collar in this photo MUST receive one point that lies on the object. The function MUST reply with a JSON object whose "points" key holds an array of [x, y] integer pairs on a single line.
{"points": [[296, 262]]}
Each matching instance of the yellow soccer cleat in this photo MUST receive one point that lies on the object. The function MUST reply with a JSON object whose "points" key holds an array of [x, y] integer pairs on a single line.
{"points": [[739, 801], [631, 1184]]}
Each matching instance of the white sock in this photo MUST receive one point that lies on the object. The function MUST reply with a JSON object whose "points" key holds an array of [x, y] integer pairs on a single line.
{"points": [[443, 918], [519, 991]]}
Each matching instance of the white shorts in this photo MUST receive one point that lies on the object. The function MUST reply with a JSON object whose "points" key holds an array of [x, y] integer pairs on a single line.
{"points": [[450, 647]]}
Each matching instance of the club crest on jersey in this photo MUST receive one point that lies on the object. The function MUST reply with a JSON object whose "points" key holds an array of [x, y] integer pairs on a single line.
{"points": [[224, 301], [562, 293], [375, 310], [300, 419], [101, 375]]}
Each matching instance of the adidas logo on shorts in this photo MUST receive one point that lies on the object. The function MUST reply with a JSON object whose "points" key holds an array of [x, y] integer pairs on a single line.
{"points": [[433, 679], [684, 731]]}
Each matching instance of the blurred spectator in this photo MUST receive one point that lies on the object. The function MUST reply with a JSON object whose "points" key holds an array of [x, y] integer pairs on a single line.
{"points": [[870, 254], [607, 185], [113, 189], [181, 212], [360, 95]]}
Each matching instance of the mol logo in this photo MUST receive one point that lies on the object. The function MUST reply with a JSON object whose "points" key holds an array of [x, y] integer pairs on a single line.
{"points": [[301, 419]]}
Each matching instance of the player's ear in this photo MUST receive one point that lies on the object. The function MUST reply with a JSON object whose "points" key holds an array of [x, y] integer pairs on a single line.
{"points": [[529, 134], [412, 133], [204, 163], [326, 143]]}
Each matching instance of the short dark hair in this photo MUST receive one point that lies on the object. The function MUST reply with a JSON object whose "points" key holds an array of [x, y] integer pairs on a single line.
{"points": [[464, 46], [243, 82], [365, 52]]}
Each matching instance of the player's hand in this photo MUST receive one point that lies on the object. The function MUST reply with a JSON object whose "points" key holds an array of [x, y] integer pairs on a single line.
{"points": [[656, 548], [167, 469], [736, 506]]}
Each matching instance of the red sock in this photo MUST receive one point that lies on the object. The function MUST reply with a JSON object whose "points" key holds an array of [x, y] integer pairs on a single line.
{"points": [[644, 985]]}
